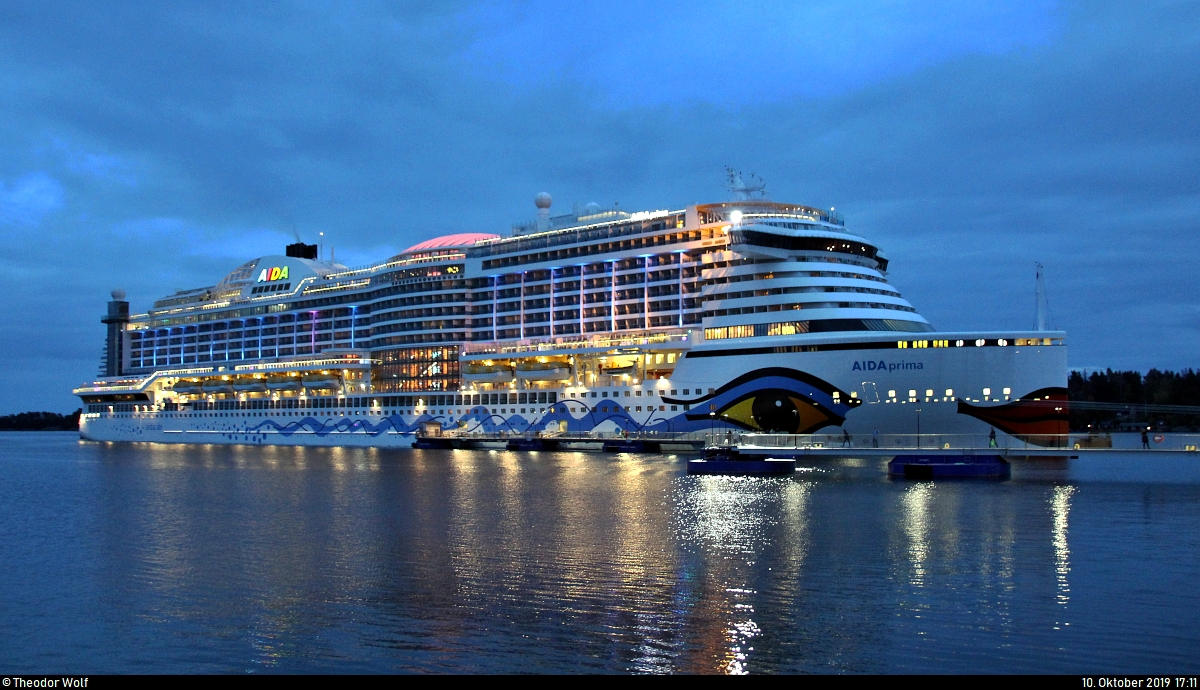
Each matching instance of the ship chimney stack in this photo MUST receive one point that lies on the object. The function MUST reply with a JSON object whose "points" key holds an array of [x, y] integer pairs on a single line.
{"points": [[299, 250], [114, 344]]}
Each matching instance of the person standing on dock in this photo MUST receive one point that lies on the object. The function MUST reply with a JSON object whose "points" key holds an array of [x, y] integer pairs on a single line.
{"points": [[1145, 440], [845, 439], [992, 438], [875, 437]]}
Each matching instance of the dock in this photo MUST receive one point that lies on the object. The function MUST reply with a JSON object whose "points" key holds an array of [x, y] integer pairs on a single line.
{"points": [[813, 446], [657, 443]]}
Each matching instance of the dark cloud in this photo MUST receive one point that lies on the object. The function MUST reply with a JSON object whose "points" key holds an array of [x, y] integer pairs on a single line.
{"points": [[159, 146]]}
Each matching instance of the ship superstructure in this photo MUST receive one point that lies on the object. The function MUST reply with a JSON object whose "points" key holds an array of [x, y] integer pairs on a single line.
{"points": [[750, 314]]}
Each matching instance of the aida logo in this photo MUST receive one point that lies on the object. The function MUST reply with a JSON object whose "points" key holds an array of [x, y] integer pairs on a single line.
{"points": [[885, 366], [275, 273]]}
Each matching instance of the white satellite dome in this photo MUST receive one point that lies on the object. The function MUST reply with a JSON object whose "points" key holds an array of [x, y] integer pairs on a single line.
{"points": [[542, 200]]}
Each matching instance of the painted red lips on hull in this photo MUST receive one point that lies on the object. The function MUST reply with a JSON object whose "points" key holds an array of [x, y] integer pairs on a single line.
{"points": [[1041, 417]]}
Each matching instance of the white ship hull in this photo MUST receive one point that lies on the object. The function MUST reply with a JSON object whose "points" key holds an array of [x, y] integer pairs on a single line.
{"points": [[873, 387]]}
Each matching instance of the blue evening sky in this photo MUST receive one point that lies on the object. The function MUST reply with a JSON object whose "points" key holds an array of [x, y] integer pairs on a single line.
{"points": [[155, 146]]}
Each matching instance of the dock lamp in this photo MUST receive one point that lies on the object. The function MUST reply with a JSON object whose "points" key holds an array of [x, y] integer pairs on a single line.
{"points": [[918, 410]]}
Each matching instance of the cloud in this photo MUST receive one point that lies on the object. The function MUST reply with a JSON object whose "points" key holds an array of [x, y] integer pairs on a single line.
{"points": [[967, 142], [733, 54], [27, 200]]}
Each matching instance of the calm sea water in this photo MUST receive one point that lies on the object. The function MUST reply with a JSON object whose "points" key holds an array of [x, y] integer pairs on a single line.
{"points": [[136, 558]]}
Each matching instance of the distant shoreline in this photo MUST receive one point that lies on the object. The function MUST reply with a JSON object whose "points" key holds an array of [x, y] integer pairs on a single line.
{"points": [[40, 421]]}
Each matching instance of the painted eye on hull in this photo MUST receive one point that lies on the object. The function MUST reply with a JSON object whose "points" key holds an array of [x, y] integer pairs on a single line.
{"points": [[776, 411]]}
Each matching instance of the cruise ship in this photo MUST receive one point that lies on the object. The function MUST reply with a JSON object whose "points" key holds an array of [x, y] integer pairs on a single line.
{"points": [[748, 315]]}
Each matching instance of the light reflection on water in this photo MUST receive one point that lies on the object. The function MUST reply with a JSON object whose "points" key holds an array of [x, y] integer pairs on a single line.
{"points": [[916, 527], [1061, 505], [143, 558]]}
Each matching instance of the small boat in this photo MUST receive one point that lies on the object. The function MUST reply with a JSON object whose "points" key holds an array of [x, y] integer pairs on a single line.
{"points": [[937, 466], [250, 386], [742, 466], [619, 371], [727, 460], [218, 387]]}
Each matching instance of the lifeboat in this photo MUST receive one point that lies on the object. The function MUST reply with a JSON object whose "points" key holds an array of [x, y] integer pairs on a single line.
{"points": [[250, 386], [188, 388], [544, 371], [284, 383], [487, 373], [619, 371], [322, 382], [218, 387]]}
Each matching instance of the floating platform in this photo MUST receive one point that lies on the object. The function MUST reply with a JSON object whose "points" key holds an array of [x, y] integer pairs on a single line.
{"points": [[531, 444], [632, 445], [433, 442], [944, 466]]}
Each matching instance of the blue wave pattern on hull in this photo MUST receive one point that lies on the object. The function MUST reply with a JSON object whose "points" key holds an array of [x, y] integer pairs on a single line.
{"points": [[323, 429], [804, 386]]}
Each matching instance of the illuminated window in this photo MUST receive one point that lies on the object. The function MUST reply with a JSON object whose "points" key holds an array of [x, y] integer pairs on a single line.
{"points": [[987, 392], [949, 392], [891, 394], [979, 343], [929, 393], [912, 394], [1008, 391]]}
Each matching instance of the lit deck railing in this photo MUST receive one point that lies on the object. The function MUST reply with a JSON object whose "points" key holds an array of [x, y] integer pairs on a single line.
{"points": [[599, 342]]}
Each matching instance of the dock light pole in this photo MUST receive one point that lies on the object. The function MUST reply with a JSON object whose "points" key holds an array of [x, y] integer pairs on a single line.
{"points": [[712, 427], [918, 428]]}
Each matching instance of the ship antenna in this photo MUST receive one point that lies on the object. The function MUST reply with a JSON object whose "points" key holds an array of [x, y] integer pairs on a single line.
{"points": [[1041, 313], [743, 191]]}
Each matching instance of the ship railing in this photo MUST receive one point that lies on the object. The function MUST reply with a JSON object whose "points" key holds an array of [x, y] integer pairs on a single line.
{"points": [[536, 346], [587, 435], [317, 363], [967, 442]]}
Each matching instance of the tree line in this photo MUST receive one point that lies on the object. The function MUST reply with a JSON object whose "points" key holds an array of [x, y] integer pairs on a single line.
{"points": [[1136, 390], [40, 421]]}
